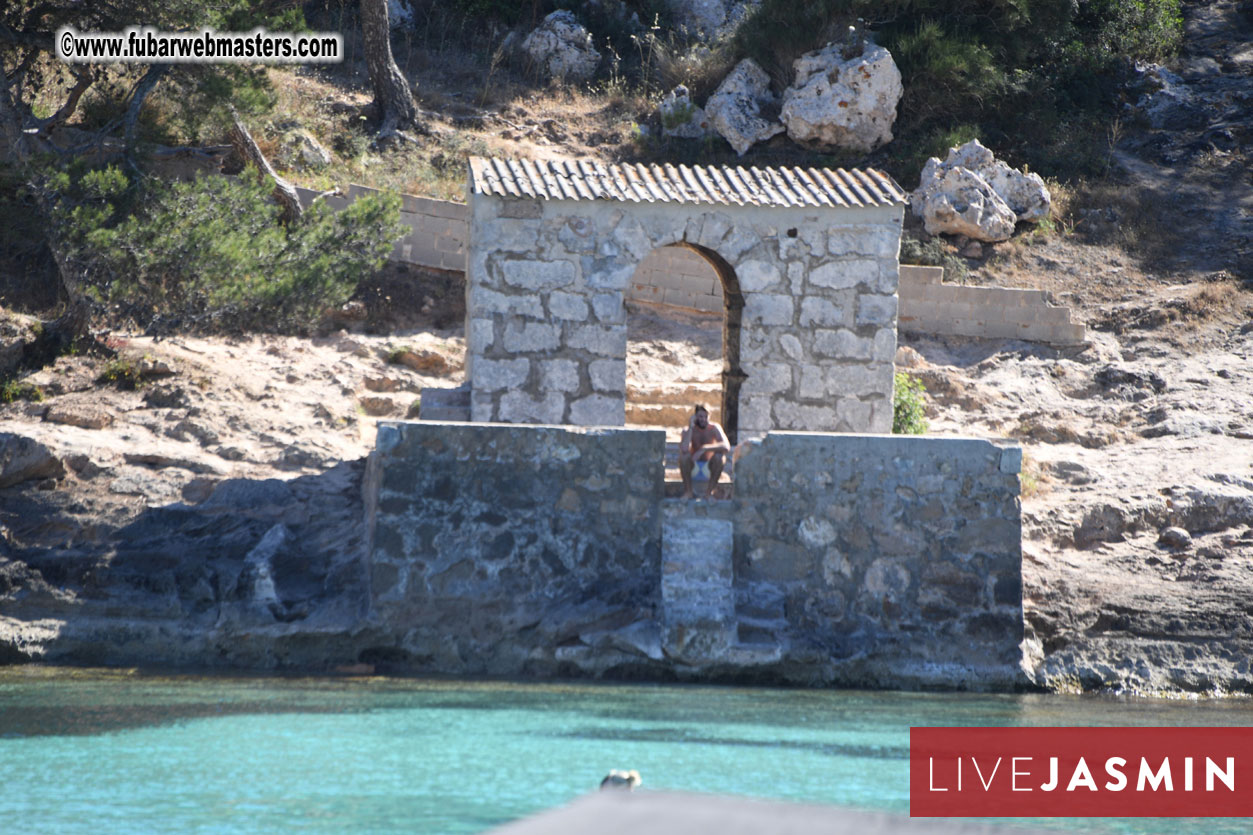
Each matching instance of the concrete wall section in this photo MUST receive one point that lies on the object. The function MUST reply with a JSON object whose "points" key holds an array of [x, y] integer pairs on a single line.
{"points": [[437, 228], [491, 545], [854, 560], [928, 306]]}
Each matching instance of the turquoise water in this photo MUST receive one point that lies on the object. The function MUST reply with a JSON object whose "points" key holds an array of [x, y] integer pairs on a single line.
{"points": [[119, 752]]}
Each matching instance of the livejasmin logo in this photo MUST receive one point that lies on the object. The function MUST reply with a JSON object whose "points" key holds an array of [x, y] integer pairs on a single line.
{"points": [[1081, 772]]}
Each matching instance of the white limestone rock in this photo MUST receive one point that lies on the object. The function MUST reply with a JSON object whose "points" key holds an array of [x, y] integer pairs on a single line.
{"points": [[974, 194], [958, 201], [562, 48], [839, 103], [711, 19], [300, 150], [681, 117], [1025, 194], [735, 108]]}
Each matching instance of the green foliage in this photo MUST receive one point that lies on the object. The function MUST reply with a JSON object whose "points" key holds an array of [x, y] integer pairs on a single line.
{"points": [[908, 406], [934, 253], [123, 373], [12, 390], [1037, 80], [212, 252]]}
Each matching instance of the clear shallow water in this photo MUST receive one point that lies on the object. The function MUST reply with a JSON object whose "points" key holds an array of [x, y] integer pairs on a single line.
{"points": [[114, 752]]}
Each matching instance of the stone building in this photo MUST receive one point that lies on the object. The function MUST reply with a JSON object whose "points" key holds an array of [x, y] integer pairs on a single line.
{"points": [[807, 259]]}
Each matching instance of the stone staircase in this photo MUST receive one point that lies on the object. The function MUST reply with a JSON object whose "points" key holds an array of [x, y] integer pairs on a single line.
{"points": [[669, 405], [706, 619]]}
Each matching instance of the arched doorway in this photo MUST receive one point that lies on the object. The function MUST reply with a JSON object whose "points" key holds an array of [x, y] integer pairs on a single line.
{"points": [[683, 331]]}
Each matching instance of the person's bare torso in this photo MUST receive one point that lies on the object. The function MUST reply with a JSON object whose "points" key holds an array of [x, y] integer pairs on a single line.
{"points": [[702, 436]]}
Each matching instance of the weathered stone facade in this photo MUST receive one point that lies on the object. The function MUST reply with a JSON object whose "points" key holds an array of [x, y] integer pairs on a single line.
{"points": [[857, 560], [810, 292]]}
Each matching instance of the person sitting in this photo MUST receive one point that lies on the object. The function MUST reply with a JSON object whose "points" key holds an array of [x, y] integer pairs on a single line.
{"points": [[703, 451]]}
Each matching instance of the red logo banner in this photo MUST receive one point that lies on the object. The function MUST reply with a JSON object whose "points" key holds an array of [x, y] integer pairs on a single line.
{"points": [[1081, 772]]}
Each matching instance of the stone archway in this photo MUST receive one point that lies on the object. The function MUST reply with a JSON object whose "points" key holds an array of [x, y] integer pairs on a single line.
{"points": [[811, 255]]}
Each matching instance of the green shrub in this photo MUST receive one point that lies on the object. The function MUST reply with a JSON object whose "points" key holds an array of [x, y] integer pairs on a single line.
{"points": [[213, 253], [934, 253], [908, 406], [12, 390], [123, 373]]}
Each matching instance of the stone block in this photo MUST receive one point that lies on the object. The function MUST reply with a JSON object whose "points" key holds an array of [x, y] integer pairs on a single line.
{"points": [[843, 344], [853, 414], [791, 346], [483, 300], [856, 380], [1011, 460], [812, 383], [598, 410], [788, 415], [538, 275], [768, 309], [608, 375], [824, 313], [480, 336], [520, 407], [605, 341], [531, 337], [609, 308], [559, 375], [756, 276], [876, 310], [607, 274], [884, 346], [568, 306], [845, 274], [766, 378], [498, 375]]}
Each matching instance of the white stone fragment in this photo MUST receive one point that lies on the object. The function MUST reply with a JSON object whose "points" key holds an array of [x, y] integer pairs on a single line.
{"points": [[562, 48], [843, 103], [735, 107]]}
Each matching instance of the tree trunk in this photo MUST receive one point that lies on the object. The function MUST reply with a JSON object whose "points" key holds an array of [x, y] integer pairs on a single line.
{"points": [[393, 99], [284, 192]]}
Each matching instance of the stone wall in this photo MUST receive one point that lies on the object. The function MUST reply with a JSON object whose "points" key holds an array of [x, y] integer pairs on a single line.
{"points": [[813, 294], [928, 306], [853, 560], [890, 558], [437, 228], [677, 277], [493, 547]]}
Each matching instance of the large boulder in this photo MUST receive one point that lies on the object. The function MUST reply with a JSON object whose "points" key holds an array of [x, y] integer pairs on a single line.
{"points": [[1024, 193], [711, 19], [958, 201], [974, 194], [300, 150], [736, 108], [681, 117], [562, 48], [839, 102], [23, 459]]}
